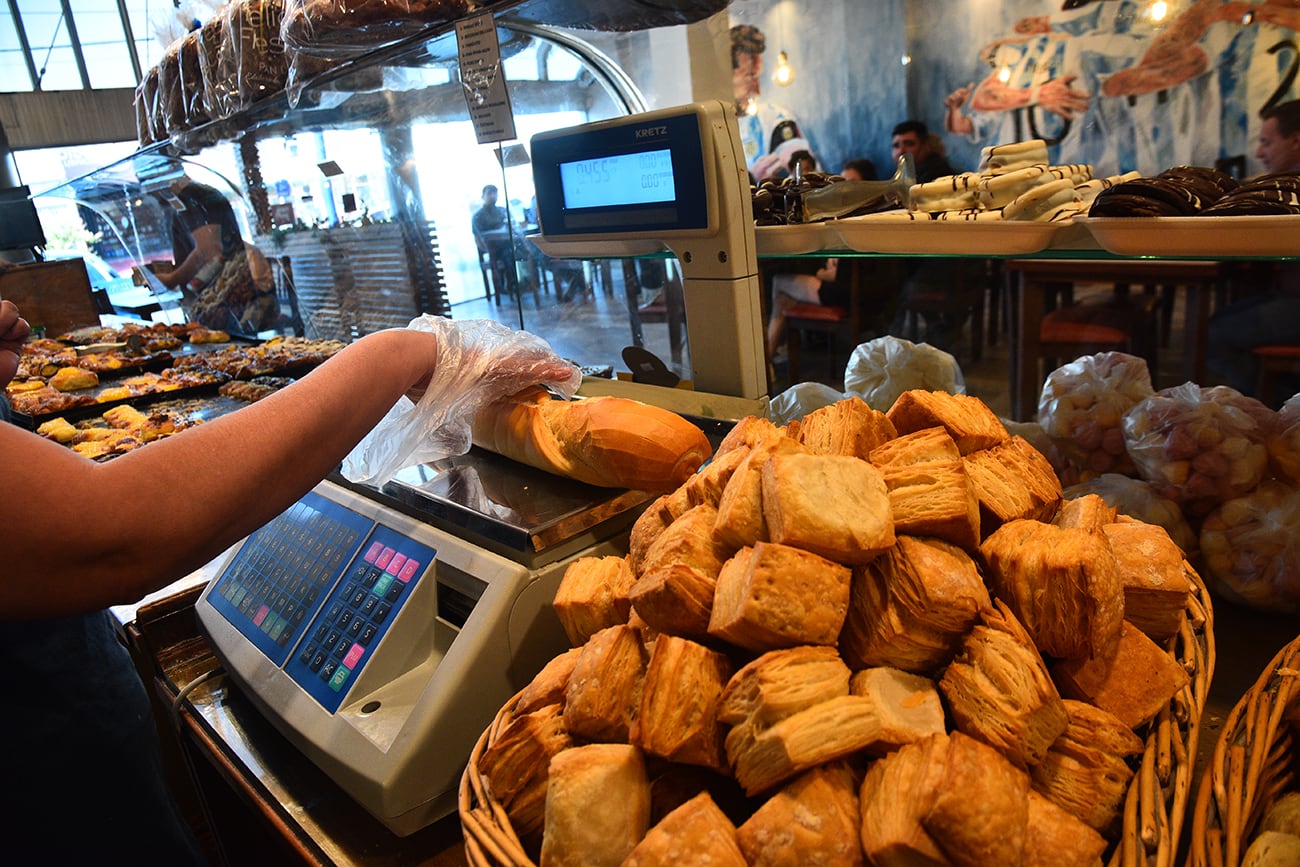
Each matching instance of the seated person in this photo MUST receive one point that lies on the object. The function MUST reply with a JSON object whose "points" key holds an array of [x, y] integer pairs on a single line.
{"points": [[859, 170], [490, 225], [800, 281]]}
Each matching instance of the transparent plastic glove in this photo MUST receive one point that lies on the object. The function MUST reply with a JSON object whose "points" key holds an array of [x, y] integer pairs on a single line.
{"points": [[479, 361]]}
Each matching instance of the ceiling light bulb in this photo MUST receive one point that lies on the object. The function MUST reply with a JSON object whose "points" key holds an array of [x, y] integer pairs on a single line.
{"points": [[784, 73]]}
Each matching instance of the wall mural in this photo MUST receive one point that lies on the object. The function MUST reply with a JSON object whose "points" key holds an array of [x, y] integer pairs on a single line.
{"points": [[1119, 84]]}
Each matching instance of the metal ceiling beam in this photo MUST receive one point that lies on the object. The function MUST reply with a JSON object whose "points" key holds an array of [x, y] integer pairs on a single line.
{"points": [[76, 43], [22, 41], [130, 39]]}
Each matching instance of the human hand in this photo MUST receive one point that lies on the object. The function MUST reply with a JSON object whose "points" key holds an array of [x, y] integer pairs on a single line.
{"points": [[1058, 97], [958, 97], [14, 331]]}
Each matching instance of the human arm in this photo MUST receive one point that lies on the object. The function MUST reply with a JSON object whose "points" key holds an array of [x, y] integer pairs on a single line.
{"points": [[13, 332], [207, 247], [1056, 95], [81, 535], [954, 120]]}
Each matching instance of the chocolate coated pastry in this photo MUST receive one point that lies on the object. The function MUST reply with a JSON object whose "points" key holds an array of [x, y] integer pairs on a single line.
{"points": [[1209, 182], [1147, 197]]}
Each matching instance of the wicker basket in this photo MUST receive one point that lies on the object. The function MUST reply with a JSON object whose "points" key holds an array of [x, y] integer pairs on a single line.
{"points": [[1153, 810], [1252, 764]]}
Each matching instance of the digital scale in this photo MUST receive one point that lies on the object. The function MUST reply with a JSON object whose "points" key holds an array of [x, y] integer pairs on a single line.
{"points": [[381, 630]]}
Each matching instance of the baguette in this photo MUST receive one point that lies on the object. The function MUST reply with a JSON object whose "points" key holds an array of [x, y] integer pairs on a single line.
{"points": [[612, 442]]}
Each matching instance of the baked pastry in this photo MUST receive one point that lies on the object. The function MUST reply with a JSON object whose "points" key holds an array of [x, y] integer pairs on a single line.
{"points": [[675, 598], [1056, 838], [924, 446], [1153, 572], [1061, 583], [549, 684], [741, 520], [1002, 158], [593, 594], [1012, 480], [1272, 849], [908, 705], [581, 830], [998, 191], [707, 485], [998, 690], [896, 794], [517, 762], [970, 423], [934, 499], [1135, 684], [1087, 512], [749, 431], [811, 822], [648, 527], [678, 718], [691, 540], [910, 607], [774, 595], [847, 427], [834, 506], [73, 379], [979, 814], [696, 834], [1086, 770], [607, 441], [603, 695], [782, 682]]}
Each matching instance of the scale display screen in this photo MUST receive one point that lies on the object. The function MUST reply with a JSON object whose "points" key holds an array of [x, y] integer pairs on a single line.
{"points": [[316, 589], [633, 175]]}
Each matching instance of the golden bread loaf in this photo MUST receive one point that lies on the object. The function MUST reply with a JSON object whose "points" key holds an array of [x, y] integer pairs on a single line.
{"points": [[678, 718], [998, 690], [1061, 583], [593, 594], [603, 695], [832, 505], [608, 441], [581, 828], [748, 613], [910, 607], [970, 423], [811, 822], [696, 834], [848, 427]]}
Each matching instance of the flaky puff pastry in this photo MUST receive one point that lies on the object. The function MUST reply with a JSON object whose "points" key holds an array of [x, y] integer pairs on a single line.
{"points": [[674, 599], [972, 425], [811, 822], [696, 834], [1062, 584], [690, 540], [1154, 574], [999, 691], [516, 765], [678, 718], [1012, 480], [847, 427], [741, 520], [896, 793], [1086, 770], [593, 595], [980, 812], [832, 505], [604, 691], [1135, 684], [910, 607], [597, 806]]}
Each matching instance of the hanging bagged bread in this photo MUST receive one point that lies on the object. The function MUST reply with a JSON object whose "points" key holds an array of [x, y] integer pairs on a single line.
{"points": [[612, 442]]}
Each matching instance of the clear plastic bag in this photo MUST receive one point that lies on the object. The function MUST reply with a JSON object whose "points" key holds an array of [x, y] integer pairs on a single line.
{"points": [[191, 73], [880, 370], [799, 400], [1138, 499], [257, 51], [1284, 444], [1083, 403], [1250, 548], [146, 93], [1199, 446], [479, 361], [345, 28], [217, 66], [171, 95]]}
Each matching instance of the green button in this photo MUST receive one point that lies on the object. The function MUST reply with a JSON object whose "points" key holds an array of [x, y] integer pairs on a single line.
{"points": [[381, 586], [340, 677]]}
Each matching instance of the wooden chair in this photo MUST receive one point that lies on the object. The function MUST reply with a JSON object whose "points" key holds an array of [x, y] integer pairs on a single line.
{"points": [[802, 319], [1122, 323], [948, 303], [1275, 362]]}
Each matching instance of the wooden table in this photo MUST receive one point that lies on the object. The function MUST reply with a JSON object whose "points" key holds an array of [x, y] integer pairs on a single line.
{"points": [[1028, 282]]}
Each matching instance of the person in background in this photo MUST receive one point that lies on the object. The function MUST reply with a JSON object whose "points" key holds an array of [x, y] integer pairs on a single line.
{"points": [[204, 234], [913, 137], [800, 281], [805, 161], [860, 169], [1270, 316], [83, 778], [492, 236]]}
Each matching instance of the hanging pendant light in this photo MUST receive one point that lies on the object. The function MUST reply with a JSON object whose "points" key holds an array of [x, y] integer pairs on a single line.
{"points": [[784, 72]]}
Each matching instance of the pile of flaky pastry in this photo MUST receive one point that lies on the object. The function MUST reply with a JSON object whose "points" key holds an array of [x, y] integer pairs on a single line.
{"points": [[863, 637]]}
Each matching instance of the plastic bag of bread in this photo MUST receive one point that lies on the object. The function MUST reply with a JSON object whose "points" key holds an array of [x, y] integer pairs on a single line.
{"points": [[1250, 547], [191, 80], [881, 369], [171, 97], [1082, 404], [216, 65], [257, 54], [1284, 444], [1199, 446], [343, 28], [800, 399], [1138, 499], [146, 93]]}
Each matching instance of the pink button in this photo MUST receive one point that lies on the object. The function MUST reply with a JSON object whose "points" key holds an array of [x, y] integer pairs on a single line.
{"points": [[354, 656], [384, 557], [375, 548], [395, 565], [261, 615], [409, 571]]}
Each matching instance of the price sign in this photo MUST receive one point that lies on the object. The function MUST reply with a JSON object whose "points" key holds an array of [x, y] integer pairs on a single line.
{"points": [[483, 79]]}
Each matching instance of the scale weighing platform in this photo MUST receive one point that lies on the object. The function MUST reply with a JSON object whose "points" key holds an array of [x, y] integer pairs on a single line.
{"points": [[382, 630]]}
